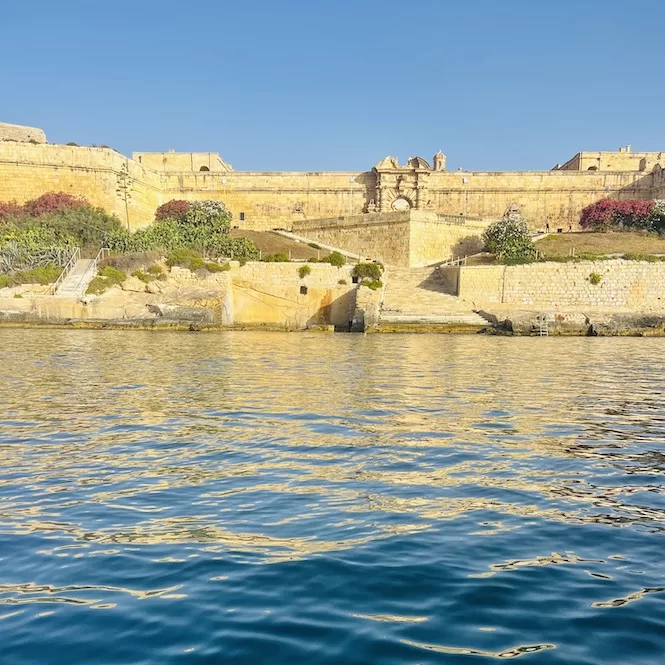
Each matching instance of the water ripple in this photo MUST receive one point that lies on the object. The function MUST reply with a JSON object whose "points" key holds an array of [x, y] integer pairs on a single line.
{"points": [[250, 498]]}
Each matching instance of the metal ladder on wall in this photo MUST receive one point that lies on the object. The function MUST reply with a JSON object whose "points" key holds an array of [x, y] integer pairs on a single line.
{"points": [[543, 327]]}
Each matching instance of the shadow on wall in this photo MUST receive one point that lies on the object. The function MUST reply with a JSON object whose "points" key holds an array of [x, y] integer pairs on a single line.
{"points": [[467, 246], [331, 312]]}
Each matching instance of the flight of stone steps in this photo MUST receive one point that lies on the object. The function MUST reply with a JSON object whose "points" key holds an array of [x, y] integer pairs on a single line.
{"points": [[76, 283], [417, 296]]}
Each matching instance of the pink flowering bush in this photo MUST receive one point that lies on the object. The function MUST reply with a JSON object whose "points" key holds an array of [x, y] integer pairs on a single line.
{"points": [[9, 209], [53, 202], [174, 209], [608, 214]]}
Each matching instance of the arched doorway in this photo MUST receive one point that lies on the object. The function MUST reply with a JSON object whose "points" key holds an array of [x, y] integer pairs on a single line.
{"points": [[401, 203]]}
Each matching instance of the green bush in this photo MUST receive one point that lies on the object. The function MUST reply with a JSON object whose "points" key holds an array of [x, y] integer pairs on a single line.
{"points": [[368, 271], [650, 258], [106, 278], [341, 282], [143, 276], [303, 271], [185, 258], [312, 259], [40, 275], [279, 257], [202, 226], [97, 286], [4, 281], [373, 284], [594, 278], [112, 274], [216, 267], [334, 259], [510, 241], [313, 245]]}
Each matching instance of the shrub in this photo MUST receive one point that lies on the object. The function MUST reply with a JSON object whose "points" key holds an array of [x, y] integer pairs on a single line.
{"points": [[18, 295], [53, 202], [143, 276], [595, 278], [107, 277], [174, 209], [303, 271], [373, 284], [278, 257], [97, 286], [368, 271], [313, 245], [4, 281], [9, 209], [509, 239], [156, 269], [185, 258], [312, 259], [113, 275], [216, 267], [180, 256], [334, 259], [341, 282], [608, 214]]}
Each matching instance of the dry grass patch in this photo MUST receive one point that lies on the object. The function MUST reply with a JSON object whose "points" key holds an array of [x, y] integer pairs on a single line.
{"points": [[561, 244]]}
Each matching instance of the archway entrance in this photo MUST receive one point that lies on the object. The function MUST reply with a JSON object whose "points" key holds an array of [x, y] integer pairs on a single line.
{"points": [[401, 203]]}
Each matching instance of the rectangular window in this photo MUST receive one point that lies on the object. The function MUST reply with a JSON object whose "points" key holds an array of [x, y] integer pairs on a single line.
{"points": [[242, 216]]}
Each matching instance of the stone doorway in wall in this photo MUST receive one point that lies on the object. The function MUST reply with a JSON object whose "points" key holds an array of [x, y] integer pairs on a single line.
{"points": [[401, 203]]}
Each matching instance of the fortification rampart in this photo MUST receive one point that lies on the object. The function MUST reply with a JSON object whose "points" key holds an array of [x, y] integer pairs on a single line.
{"points": [[628, 285], [259, 200]]}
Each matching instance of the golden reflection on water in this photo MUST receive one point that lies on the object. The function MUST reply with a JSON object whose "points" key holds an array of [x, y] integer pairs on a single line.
{"points": [[290, 446]]}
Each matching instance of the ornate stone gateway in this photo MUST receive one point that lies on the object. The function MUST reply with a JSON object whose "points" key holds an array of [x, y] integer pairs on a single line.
{"points": [[405, 187]]}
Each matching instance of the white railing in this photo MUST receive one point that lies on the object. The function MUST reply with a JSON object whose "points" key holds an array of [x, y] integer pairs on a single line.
{"points": [[76, 255], [92, 268]]}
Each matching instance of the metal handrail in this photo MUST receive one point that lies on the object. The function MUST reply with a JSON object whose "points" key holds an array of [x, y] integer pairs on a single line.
{"points": [[104, 251], [76, 255]]}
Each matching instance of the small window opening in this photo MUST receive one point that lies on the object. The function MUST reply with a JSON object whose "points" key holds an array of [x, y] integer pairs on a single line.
{"points": [[204, 168], [592, 168], [355, 279], [242, 216], [303, 290]]}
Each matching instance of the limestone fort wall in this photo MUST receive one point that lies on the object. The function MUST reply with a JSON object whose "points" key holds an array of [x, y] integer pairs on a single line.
{"points": [[630, 285], [265, 200]]}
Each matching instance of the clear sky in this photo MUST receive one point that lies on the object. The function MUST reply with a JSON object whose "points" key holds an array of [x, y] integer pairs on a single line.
{"points": [[337, 84]]}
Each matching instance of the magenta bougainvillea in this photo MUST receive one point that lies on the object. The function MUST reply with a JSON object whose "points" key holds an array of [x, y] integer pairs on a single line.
{"points": [[53, 202], [608, 214], [175, 209], [9, 209]]}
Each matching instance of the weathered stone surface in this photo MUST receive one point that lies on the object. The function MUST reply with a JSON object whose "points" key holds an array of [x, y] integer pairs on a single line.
{"points": [[262, 201], [180, 313], [21, 133], [154, 287], [133, 284]]}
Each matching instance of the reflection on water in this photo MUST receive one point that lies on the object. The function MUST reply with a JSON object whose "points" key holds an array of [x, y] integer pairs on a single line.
{"points": [[251, 498]]}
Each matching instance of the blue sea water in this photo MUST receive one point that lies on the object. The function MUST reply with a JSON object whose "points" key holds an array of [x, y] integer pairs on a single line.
{"points": [[252, 498]]}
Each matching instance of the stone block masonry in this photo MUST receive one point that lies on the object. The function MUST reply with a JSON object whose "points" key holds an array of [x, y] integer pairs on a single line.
{"points": [[21, 134], [134, 188], [620, 285]]}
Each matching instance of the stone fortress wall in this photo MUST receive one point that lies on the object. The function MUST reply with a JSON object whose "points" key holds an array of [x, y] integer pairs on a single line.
{"points": [[133, 188], [624, 285]]}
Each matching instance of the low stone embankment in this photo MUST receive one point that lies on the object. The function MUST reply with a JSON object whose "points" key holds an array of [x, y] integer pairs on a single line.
{"points": [[256, 295]]}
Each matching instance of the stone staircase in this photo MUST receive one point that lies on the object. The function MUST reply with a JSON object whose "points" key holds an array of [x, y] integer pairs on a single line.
{"points": [[417, 297], [76, 282]]}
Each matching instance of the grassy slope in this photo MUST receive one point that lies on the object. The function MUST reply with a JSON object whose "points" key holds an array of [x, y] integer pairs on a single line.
{"points": [[271, 243], [560, 244]]}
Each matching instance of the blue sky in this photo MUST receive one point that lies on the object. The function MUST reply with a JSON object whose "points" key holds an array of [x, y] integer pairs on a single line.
{"points": [[335, 84]]}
